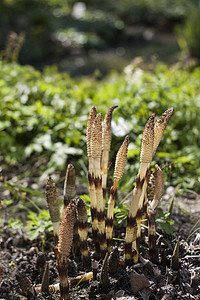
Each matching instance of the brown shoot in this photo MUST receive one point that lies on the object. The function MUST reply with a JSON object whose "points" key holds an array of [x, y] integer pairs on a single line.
{"points": [[62, 251], [118, 173], [91, 119], [154, 192], [53, 205]]}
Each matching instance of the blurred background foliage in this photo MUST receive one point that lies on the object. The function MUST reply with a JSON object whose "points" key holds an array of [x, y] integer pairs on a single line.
{"points": [[55, 29], [44, 117], [43, 112]]}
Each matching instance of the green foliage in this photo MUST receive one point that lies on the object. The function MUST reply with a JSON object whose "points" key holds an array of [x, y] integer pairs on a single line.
{"points": [[121, 210], [44, 117], [38, 224], [15, 223], [188, 34], [165, 223]]}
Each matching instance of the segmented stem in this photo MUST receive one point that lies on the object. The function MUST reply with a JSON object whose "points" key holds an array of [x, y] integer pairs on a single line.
{"points": [[155, 192], [106, 143], [96, 147], [83, 231], [93, 206], [139, 193], [118, 173]]}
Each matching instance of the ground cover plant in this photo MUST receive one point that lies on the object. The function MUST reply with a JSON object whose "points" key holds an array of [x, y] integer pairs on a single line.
{"points": [[37, 110]]}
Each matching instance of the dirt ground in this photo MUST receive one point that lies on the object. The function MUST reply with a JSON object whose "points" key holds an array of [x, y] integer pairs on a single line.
{"points": [[20, 263]]}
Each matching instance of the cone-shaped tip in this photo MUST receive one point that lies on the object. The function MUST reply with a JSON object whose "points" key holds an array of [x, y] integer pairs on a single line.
{"points": [[96, 139], [66, 230], [159, 183], [69, 184], [121, 160], [175, 265], [108, 115], [147, 141], [91, 119], [52, 200], [160, 126], [106, 142]]}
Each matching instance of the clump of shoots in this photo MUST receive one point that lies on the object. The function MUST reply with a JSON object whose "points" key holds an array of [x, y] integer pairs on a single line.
{"points": [[152, 135], [147, 193]]}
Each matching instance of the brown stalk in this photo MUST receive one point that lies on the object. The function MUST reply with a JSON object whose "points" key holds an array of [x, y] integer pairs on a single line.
{"points": [[53, 205], [94, 265], [83, 231], [139, 192], [96, 147], [106, 143], [104, 278], [118, 173], [62, 251], [113, 261], [175, 264], [93, 207], [69, 194], [45, 280], [155, 192]]}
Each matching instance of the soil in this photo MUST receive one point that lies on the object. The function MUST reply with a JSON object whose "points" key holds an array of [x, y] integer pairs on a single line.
{"points": [[20, 260]]}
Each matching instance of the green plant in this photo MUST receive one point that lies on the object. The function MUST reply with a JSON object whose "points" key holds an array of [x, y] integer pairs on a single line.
{"points": [[38, 224], [43, 118], [165, 222]]}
